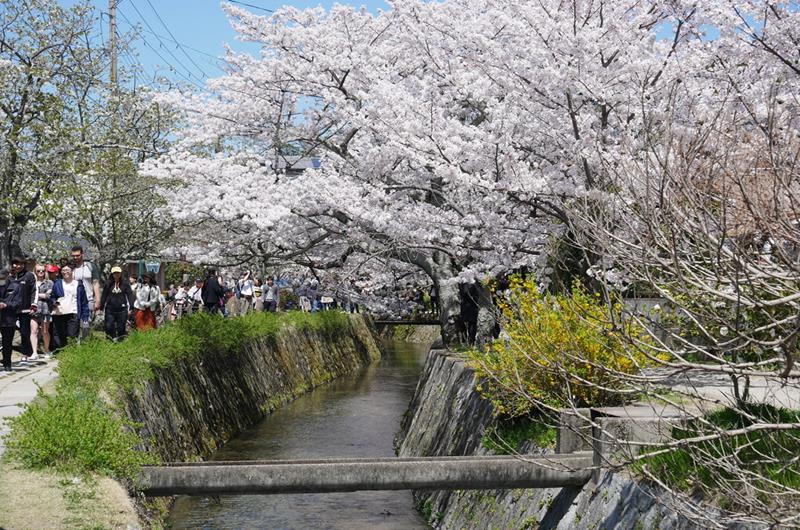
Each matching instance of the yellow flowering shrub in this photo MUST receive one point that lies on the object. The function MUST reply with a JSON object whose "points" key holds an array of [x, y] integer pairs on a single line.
{"points": [[559, 350]]}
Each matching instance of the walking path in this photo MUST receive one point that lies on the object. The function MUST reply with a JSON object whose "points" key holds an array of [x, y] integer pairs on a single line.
{"points": [[714, 389], [20, 387]]}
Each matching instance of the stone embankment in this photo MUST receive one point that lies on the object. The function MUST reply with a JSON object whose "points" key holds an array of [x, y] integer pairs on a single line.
{"points": [[414, 334], [448, 417], [188, 410]]}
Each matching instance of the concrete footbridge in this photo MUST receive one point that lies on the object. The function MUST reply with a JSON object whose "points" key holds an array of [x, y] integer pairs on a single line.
{"points": [[362, 474], [588, 440]]}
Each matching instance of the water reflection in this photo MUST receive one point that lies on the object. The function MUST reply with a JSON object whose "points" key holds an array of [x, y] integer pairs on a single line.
{"points": [[354, 416]]}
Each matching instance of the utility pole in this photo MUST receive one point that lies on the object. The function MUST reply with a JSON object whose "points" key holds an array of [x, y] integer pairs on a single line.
{"points": [[112, 39]]}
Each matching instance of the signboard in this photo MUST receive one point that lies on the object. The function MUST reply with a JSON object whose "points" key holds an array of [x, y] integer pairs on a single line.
{"points": [[152, 266]]}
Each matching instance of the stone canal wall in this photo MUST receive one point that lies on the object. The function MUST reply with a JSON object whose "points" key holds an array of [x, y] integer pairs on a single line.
{"points": [[415, 334], [448, 417], [188, 410]]}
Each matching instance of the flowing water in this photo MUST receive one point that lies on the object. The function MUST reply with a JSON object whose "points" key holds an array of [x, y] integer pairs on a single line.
{"points": [[355, 416]]}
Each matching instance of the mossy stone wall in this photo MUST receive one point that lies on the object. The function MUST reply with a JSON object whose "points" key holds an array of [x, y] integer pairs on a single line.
{"points": [[192, 407], [447, 417]]}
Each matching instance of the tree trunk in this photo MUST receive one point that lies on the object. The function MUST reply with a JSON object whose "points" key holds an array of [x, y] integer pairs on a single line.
{"points": [[449, 310], [451, 305], [487, 316], [9, 244]]}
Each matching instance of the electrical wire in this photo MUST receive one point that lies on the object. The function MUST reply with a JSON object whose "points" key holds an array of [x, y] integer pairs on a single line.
{"points": [[251, 6], [166, 48], [211, 60], [172, 67], [178, 44]]}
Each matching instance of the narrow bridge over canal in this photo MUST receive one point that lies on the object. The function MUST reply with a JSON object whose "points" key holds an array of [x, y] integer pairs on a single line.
{"points": [[346, 475]]}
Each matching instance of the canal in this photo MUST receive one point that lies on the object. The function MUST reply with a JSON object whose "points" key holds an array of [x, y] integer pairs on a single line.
{"points": [[357, 415]]}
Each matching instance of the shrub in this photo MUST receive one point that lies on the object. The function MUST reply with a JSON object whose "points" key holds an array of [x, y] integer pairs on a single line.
{"points": [[560, 350], [74, 432], [173, 272]]}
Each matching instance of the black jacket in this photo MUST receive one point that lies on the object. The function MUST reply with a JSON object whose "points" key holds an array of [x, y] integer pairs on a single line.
{"points": [[26, 280], [212, 291], [11, 295], [116, 301]]}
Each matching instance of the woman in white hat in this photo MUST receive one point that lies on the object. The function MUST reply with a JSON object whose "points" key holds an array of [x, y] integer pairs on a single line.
{"points": [[117, 302]]}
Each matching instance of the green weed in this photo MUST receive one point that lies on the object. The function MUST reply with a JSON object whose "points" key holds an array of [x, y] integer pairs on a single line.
{"points": [[74, 432], [507, 436], [765, 456]]}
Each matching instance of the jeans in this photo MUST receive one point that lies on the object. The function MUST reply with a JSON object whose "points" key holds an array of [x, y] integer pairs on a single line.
{"points": [[115, 323], [270, 306], [25, 330], [64, 328], [8, 340]]}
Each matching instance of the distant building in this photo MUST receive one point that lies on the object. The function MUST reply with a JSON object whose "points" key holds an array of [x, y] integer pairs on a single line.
{"points": [[295, 165]]}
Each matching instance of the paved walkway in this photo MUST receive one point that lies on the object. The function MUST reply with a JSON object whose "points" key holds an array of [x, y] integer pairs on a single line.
{"points": [[20, 387], [716, 389]]}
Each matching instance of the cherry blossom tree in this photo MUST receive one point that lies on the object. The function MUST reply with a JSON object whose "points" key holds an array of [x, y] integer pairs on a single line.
{"points": [[70, 141], [448, 132], [462, 139], [47, 69]]}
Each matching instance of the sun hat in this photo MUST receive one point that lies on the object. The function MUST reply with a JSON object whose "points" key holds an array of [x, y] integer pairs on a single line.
{"points": [[115, 269]]}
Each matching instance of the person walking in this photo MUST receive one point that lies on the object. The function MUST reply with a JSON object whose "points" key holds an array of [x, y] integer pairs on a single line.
{"points": [[212, 292], [258, 294], [117, 302], [146, 303], [40, 323], [180, 301], [26, 282], [88, 273], [10, 301], [245, 289], [195, 294], [70, 308], [271, 295], [303, 297]]}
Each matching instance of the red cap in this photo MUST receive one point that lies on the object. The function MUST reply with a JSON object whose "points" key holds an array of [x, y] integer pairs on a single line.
{"points": [[52, 268]]}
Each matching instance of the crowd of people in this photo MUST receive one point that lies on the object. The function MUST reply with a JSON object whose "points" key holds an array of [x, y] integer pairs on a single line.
{"points": [[53, 302], [56, 303], [251, 293]]}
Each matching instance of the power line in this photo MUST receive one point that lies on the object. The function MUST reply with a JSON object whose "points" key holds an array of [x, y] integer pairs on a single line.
{"points": [[174, 39], [140, 29], [251, 6], [171, 66], [161, 44]]}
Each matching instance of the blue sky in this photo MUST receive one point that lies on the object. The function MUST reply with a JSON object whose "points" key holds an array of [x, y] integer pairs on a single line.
{"points": [[199, 26]]}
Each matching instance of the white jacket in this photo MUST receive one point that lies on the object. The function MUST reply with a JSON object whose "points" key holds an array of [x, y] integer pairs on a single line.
{"points": [[147, 297]]}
